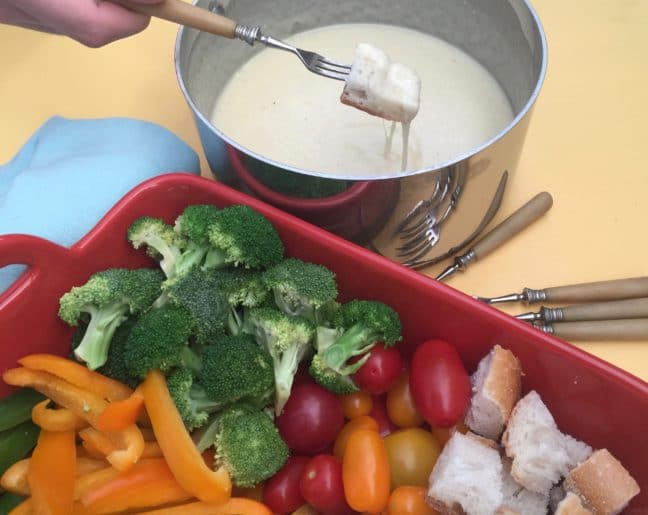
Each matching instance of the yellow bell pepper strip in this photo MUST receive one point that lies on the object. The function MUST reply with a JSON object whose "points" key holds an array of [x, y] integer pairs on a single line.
{"points": [[236, 505], [15, 478], [184, 459], [83, 403], [52, 472], [77, 374], [122, 449], [56, 419], [119, 415], [148, 484]]}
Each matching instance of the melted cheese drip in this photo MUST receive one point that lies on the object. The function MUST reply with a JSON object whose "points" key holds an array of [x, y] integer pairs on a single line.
{"points": [[273, 107]]}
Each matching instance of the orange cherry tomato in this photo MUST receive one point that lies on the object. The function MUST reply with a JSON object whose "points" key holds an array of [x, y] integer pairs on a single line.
{"points": [[443, 434], [365, 472], [412, 454], [409, 500], [363, 422], [400, 404], [356, 404]]}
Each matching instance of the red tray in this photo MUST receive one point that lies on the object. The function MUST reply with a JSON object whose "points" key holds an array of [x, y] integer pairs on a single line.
{"points": [[590, 399]]}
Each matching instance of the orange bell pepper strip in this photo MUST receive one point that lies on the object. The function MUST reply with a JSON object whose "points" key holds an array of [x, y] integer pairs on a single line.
{"points": [[56, 419], [15, 477], [77, 374], [122, 449], [86, 483], [120, 414], [148, 484], [24, 508], [236, 505], [365, 472], [184, 459], [152, 450], [83, 403], [52, 472]]}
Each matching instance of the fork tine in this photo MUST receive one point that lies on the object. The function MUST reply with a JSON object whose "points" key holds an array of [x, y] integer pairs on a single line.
{"points": [[327, 73], [328, 62]]}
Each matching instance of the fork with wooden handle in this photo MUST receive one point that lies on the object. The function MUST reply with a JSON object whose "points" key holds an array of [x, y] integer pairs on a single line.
{"points": [[198, 18]]}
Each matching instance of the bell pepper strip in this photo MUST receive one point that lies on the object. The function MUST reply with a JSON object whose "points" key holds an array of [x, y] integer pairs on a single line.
{"points": [[24, 508], [15, 478], [52, 472], [16, 443], [148, 434], [78, 375], [87, 465], [152, 450], [122, 449], [365, 472], [88, 482], [88, 450], [83, 403], [237, 505], [148, 484], [184, 459], [120, 414], [61, 419], [16, 407]]}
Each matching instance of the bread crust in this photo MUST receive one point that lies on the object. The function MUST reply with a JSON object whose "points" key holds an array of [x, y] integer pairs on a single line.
{"points": [[571, 505], [603, 484]]}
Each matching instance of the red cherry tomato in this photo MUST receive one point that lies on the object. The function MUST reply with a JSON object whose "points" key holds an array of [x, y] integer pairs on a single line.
{"points": [[321, 485], [380, 371], [379, 414], [439, 383], [311, 419], [281, 492]]}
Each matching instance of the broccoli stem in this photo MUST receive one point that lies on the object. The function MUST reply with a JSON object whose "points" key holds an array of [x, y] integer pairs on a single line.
{"points": [[215, 258], [93, 349], [352, 342], [285, 369], [169, 254], [190, 257]]}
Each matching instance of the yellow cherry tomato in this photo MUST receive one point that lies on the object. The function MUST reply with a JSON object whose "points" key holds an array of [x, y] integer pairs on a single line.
{"points": [[412, 454]]}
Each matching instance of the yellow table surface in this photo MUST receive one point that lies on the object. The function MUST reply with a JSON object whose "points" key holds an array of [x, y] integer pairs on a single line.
{"points": [[584, 145]]}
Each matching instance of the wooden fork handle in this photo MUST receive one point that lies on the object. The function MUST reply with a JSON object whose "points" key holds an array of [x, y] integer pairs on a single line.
{"points": [[517, 221], [602, 330], [185, 14]]}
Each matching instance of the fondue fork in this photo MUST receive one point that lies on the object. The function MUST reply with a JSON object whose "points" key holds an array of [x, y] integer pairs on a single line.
{"points": [[610, 310], [201, 19]]}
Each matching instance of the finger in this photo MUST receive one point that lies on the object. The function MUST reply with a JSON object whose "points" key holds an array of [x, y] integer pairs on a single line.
{"points": [[91, 22]]}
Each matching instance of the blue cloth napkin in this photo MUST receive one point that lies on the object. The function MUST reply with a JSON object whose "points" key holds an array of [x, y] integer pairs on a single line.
{"points": [[71, 172]]}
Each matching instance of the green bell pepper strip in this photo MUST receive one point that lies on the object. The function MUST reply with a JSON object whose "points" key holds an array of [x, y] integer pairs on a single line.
{"points": [[16, 407], [16, 443], [8, 501]]}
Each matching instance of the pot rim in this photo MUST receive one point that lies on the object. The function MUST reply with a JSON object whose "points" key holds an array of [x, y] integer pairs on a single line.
{"points": [[355, 177]]}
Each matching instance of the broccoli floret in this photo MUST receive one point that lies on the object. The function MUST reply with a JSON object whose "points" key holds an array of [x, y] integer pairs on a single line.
{"points": [[159, 239], [235, 368], [160, 340], [190, 398], [244, 289], [301, 288], [359, 325], [108, 297], [200, 292], [193, 226], [115, 365], [240, 236], [288, 340], [247, 444]]}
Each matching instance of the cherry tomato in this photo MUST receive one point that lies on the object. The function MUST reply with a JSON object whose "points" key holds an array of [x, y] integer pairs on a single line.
{"points": [[281, 493], [380, 371], [379, 414], [311, 419], [443, 434], [412, 454], [321, 485], [365, 472], [400, 404], [409, 500], [439, 383], [356, 404], [364, 422]]}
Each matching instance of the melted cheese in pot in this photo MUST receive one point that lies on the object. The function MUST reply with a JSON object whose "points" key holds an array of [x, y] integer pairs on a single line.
{"points": [[275, 108]]}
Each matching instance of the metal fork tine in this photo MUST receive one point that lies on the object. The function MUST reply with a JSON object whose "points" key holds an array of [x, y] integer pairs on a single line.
{"points": [[328, 62]]}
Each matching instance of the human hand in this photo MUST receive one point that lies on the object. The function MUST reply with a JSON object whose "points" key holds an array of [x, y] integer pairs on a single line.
{"points": [[92, 22]]}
